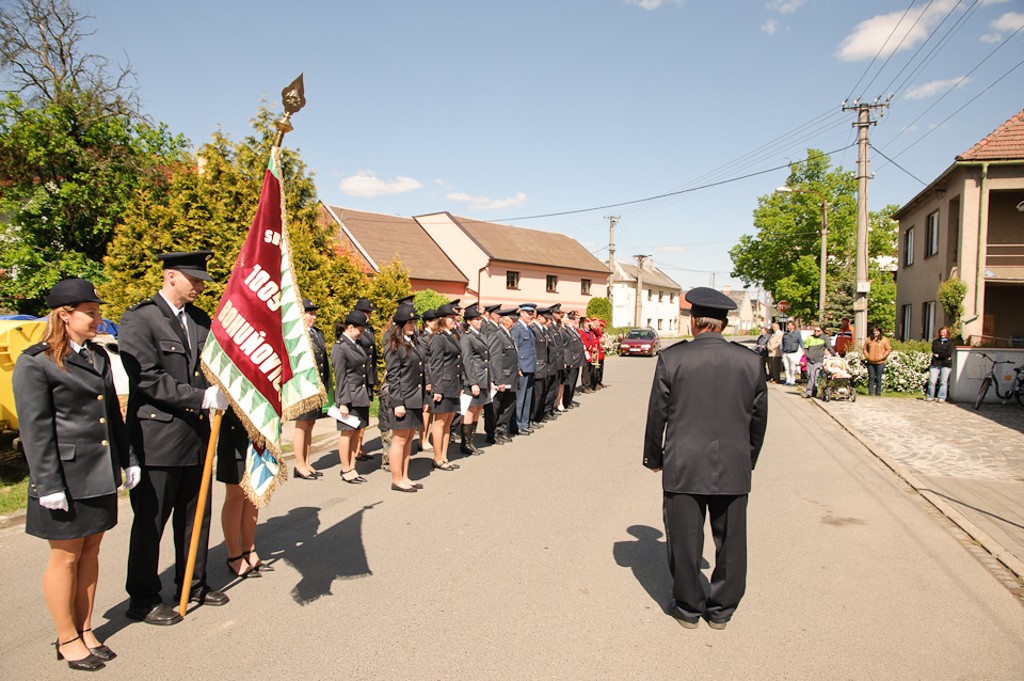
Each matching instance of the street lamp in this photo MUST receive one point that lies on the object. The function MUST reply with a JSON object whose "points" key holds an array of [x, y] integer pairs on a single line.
{"points": [[824, 242]]}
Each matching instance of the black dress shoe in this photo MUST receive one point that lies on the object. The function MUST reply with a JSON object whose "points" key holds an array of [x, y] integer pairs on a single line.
{"points": [[685, 621], [358, 480], [159, 614], [316, 473], [300, 476], [207, 596], [403, 489], [525, 431]]}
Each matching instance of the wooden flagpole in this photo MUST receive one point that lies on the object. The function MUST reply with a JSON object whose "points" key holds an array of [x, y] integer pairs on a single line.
{"points": [[197, 525]]}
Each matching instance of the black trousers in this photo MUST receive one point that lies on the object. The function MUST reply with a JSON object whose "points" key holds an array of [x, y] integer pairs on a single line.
{"points": [[165, 492], [540, 393], [573, 376], [587, 376], [684, 534], [489, 421], [551, 391], [504, 404]]}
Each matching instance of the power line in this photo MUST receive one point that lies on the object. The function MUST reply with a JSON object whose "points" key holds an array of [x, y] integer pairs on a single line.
{"points": [[898, 165], [667, 194], [936, 48], [877, 54]]}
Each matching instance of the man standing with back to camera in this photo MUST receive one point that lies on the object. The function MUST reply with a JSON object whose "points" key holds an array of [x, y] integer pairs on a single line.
{"points": [[705, 425]]}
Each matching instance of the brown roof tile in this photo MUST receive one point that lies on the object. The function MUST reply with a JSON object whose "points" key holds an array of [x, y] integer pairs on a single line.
{"points": [[385, 236], [530, 246], [653, 277], [1004, 143]]}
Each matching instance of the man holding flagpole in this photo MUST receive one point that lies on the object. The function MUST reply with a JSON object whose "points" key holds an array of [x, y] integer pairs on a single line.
{"points": [[161, 340]]}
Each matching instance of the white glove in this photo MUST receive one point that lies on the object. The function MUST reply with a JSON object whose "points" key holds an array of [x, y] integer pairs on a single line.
{"points": [[58, 501], [132, 476], [215, 399]]}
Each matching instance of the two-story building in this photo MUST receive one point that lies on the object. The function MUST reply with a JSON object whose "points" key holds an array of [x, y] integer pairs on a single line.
{"points": [[659, 297], [968, 223]]}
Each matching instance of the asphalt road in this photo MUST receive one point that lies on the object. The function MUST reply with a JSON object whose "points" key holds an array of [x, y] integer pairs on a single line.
{"points": [[545, 559]]}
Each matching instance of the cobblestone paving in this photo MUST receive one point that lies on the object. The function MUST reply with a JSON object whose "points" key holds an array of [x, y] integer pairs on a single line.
{"points": [[941, 439]]}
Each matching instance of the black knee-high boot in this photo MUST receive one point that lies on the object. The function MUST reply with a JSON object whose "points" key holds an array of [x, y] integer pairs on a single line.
{"points": [[467, 446]]}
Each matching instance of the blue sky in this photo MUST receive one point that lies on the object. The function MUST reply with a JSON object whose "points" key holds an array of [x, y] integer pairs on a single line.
{"points": [[505, 110]]}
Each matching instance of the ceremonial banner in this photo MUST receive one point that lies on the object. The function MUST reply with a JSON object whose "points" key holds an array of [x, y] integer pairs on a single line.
{"points": [[258, 351]]}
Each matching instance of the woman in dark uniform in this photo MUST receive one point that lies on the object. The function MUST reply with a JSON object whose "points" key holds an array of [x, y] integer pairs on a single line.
{"points": [[76, 444], [304, 422], [476, 375], [404, 358], [444, 368], [350, 394], [430, 324], [238, 516]]}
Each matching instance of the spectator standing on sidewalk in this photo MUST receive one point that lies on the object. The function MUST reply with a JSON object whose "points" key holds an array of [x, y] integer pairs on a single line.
{"points": [[761, 347], [876, 351], [792, 348], [816, 348], [775, 353], [941, 365], [844, 337]]}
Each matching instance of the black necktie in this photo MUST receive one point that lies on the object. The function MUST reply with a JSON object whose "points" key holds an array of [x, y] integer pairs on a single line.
{"points": [[184, 327], [87, 355]]}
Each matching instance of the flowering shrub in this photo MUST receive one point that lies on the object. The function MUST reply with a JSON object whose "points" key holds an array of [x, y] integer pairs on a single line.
{"points": [[905, 371]]}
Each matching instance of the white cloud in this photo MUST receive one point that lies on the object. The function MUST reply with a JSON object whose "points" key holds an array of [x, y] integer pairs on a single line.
{"points": [[926, 90], [770, 26], [652, 4], [365, 183], [872, 36], [1007, 23], [785, 6], [486, 202]]}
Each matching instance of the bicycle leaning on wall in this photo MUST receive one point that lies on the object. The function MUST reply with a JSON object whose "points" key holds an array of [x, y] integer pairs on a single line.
{"points": [[991, 380]]}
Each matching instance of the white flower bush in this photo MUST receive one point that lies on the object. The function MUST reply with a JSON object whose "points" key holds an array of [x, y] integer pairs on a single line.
{"points": [[905, 372]]}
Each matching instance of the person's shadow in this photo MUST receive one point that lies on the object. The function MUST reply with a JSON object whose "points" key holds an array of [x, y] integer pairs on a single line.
{"points": [[320, 557], [647, 558]]}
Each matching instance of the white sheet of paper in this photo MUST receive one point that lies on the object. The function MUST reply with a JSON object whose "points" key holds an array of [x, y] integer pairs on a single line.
{"points": [[494, 391], [350, 420], [464, 401]]}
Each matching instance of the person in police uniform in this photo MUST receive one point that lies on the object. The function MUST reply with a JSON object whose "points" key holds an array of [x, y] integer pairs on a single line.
{"points": [[505, 374], [489, 332], [351, 394], [75, 444], [367, 342], [542, 344], [552, 324], [476, 372], [161, 340], [574, 358], [404, 358], [706, 421]]}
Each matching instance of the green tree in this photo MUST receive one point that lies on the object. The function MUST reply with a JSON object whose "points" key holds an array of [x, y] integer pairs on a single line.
{"points": [[74, 150], [600, 308], [209, 203], [783, 257], [428, 299], [389, 285]]}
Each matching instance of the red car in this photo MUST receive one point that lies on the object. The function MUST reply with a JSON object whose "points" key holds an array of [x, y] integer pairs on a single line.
{"points": [[640, 342]]}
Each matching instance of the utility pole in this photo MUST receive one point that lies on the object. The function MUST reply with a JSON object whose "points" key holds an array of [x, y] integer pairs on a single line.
{"points": [[860, 300], [611, 257], [639, 287]]}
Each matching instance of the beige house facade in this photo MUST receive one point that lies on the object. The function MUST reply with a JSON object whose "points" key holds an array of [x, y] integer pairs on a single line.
{"points": [[968, 223], [659, 298]]}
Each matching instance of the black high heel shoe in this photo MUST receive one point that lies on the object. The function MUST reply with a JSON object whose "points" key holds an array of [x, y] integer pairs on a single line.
{"points": [[100, 651], [89, 663], [258, 567], [251, 572]]}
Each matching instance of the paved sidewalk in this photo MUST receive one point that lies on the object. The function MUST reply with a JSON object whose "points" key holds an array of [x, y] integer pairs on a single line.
{"points": [[969, 464]]}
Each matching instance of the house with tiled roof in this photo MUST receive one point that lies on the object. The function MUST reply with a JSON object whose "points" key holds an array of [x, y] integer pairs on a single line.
{"points": [[375, 239], [514, 265], [659, 297], [968, 223]]}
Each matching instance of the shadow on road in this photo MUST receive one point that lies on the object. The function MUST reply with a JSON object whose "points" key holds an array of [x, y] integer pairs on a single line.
{"points": [[320, 557], [647, 557]]}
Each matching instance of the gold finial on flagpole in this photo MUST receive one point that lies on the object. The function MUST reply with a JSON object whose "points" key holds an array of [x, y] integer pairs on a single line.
{"points": [[293, 98]]}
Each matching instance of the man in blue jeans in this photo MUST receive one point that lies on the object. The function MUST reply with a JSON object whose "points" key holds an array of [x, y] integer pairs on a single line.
{"points": [[523, 336]]}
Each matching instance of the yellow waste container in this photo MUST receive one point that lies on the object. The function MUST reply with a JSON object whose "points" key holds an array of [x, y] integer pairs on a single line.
{"points": [[15, 336]]}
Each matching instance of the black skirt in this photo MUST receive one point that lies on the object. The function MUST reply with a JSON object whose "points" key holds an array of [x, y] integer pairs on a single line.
{"points": [[447, 405], [311, 415], [84, 518], [413, 419], [364, 418], [230, 468]]}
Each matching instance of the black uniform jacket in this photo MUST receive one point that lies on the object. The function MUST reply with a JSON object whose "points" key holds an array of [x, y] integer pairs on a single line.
{"points": [[366, 342], [476, 361], [707, 416], [71, 426], [542, 343], [557, 341], [351, 364], [323, 363], [404, 378], [166, 422], [504, 358], [574, 353], [444, 365]]}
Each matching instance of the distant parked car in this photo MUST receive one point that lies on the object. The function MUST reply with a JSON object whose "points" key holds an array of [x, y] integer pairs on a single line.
{"points": [[640, 342]]}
